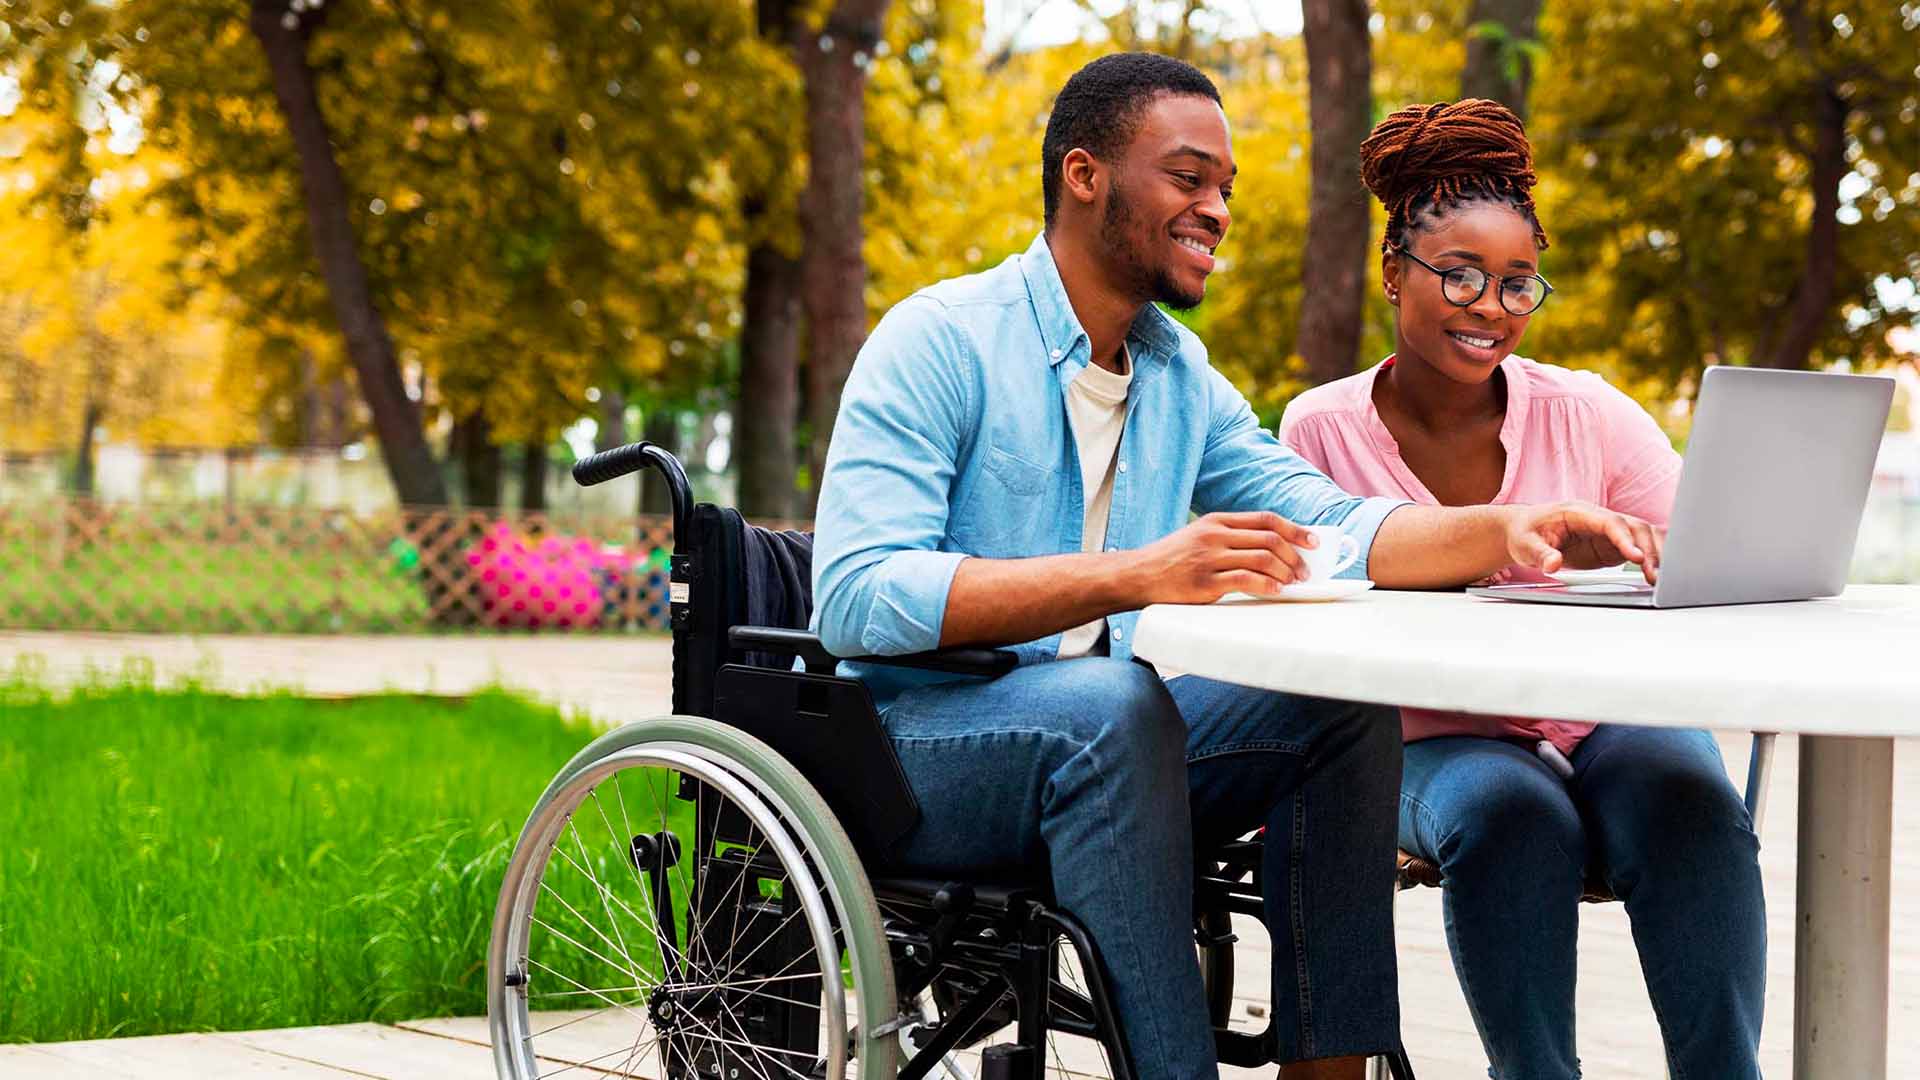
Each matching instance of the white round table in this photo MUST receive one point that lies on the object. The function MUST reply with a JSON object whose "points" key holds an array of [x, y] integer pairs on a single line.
{"points": [[1842, 673]]}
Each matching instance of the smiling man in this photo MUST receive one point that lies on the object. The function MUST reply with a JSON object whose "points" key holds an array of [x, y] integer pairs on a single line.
{"points": [[1014, 464]]}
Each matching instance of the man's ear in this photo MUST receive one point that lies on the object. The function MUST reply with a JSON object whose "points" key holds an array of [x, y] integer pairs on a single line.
{"points": [[1082, 176]]}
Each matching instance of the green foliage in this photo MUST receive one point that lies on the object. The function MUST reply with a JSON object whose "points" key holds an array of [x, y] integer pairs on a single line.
{"points": [[1674, 141], [184, 861], [1514, 53], [553, 197]]}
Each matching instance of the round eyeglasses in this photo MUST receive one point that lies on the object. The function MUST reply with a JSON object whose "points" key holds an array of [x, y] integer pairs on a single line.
{"points": [[1462, 286]]}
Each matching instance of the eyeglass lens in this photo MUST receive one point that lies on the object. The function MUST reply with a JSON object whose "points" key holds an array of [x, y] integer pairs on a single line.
{"points": [[1519, 295]]}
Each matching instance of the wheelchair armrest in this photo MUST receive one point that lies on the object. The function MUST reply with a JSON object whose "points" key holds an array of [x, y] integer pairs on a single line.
{"points": [[775, 639], [987, 662]]}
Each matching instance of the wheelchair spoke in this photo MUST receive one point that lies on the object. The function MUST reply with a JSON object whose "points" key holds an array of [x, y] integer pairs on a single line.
{"points": [[577, 993], [758, 1051], [559, 975], [588, 1064], [1069, 975], [562, 935], [630, 969], [640, 885], [667, 951], [613, 922], [689, 852]]}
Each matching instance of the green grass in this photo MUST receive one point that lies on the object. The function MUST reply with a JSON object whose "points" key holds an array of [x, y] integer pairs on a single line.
{"points": [[181, 860]]}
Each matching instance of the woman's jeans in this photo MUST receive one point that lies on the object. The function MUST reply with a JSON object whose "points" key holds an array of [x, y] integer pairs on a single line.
{"points": [[1652, 813], [1103, 774]]}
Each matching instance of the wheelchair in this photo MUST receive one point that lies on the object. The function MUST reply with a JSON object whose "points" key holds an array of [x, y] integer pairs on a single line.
{"points": [[707, 895]]}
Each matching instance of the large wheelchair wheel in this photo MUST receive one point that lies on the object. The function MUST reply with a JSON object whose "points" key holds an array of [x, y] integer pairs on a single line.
{"points": [[681, 906]]}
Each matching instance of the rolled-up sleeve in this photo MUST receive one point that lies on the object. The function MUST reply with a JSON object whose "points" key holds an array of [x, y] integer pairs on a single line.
{"points": [[880, 580], [1244, 467]]}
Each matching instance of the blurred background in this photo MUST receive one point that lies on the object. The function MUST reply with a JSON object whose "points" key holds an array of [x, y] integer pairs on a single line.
{"points": [[306, 305]]}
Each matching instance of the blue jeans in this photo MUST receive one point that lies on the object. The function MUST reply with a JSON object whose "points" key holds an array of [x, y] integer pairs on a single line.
{"points": [[1652, 813], [1100, 773]]}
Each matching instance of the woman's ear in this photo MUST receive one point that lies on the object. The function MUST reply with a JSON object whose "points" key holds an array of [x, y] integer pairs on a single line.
{"points": [[1390, 276]]}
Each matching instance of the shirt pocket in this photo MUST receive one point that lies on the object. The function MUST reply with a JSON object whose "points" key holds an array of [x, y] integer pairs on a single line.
{"points": [[1005, 515], [1016, 474]]}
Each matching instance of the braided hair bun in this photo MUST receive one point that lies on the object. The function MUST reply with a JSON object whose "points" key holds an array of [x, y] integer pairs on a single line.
{"points": [[1429, 158]]}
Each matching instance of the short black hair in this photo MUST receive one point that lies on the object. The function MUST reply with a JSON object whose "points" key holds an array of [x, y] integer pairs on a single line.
{"points": [[1099, 109]]}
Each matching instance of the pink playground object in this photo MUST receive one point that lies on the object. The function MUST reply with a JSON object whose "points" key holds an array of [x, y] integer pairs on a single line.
{"points": [[546, 583]]}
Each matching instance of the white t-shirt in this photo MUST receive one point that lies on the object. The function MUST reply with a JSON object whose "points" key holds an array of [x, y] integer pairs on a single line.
{"points": [[1097, 409]]}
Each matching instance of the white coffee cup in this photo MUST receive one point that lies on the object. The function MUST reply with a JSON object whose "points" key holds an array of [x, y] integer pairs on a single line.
{"points": [[1336, 551]]}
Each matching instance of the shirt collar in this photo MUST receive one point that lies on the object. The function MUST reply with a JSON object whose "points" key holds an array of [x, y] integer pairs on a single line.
{"points": [[1512, 427], [1152, 335]]}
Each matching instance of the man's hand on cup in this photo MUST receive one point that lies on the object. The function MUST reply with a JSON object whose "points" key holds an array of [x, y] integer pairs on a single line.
{"points": [[1581, 536], [1250, 551]]}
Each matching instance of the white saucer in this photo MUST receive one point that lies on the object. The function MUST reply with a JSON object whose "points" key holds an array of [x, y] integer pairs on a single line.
{"points": [[1305, 592]]}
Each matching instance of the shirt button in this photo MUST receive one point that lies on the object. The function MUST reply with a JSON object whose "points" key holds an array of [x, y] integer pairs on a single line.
{"points": [[1056, 354], [1122, 466], [1117, 635]]}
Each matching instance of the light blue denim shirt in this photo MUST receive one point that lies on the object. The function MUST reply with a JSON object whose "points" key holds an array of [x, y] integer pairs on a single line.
{"points": [[953, 441]]}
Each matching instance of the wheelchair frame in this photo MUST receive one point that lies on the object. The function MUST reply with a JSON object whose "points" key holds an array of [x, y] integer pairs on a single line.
{"points": [[987, 953]]}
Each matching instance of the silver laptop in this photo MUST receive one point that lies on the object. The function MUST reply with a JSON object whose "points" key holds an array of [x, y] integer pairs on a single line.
{"points": [[1776, 477]]}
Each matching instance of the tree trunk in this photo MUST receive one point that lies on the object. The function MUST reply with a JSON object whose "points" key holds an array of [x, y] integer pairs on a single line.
{"points": [[613, 421], [833, 60], [396, 421], [1490, 55], [83, 460], [533, 477], [309, 433], [1812, 306], [662, 429], [1340, 109], [479, 459], [769, 394]]}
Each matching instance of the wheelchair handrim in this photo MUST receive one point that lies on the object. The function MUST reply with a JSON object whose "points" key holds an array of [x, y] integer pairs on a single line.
{"points": [[512, 1034]]}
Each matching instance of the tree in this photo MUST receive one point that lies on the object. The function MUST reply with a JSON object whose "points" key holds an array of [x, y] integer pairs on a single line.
{"points": [[767, 404], [1339, 79], [834, 63], [1737, 178], [1501, 46], [284, 29], [93, 334]]}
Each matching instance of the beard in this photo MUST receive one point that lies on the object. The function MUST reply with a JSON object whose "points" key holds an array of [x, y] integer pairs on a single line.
{"points": [[1123, 235]]}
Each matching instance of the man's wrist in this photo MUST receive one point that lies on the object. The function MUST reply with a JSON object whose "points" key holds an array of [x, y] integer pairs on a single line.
{"points": [[1122, 584]]}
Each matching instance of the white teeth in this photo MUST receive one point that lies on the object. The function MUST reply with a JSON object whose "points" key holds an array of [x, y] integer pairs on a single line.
{"points": [[1196, 245], [1476, 342]]}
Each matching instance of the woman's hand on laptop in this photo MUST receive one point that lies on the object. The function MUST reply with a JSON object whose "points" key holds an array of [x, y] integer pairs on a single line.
{"points": [[1581, 536]]}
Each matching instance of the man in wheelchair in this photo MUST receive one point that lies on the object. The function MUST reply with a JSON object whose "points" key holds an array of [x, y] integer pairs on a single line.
{"points": [[872, 866], [1014, 465]]}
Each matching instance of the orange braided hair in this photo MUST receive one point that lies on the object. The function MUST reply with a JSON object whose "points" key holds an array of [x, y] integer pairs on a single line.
{"points": [[1430, 157]]}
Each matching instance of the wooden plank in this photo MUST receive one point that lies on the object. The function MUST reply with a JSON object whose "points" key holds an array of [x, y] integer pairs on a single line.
{"points": [[42, 1063], [374, 1050], [177, 1057]]}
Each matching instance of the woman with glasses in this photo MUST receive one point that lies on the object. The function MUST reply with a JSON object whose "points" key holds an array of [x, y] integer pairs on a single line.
{"points": [[1518, 813]]}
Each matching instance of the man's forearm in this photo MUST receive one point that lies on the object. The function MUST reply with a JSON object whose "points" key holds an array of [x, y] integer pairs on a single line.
{"points": [[1004, 601], [1439, 547]]}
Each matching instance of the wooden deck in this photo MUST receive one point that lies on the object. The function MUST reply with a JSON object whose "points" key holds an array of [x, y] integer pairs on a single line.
{"points": [[616, 679]]}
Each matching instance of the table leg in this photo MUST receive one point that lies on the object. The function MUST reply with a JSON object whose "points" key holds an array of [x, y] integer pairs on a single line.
{"points": [[1842, 935]]}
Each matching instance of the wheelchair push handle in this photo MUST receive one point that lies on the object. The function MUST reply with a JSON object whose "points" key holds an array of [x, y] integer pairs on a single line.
{"points": [[621, 460]]}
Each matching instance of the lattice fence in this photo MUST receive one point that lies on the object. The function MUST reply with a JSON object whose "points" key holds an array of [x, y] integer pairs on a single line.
{"points": [[213, 568]]}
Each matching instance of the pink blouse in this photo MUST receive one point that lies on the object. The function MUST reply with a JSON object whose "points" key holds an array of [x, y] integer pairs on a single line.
{"points": [[1568, 435]]}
